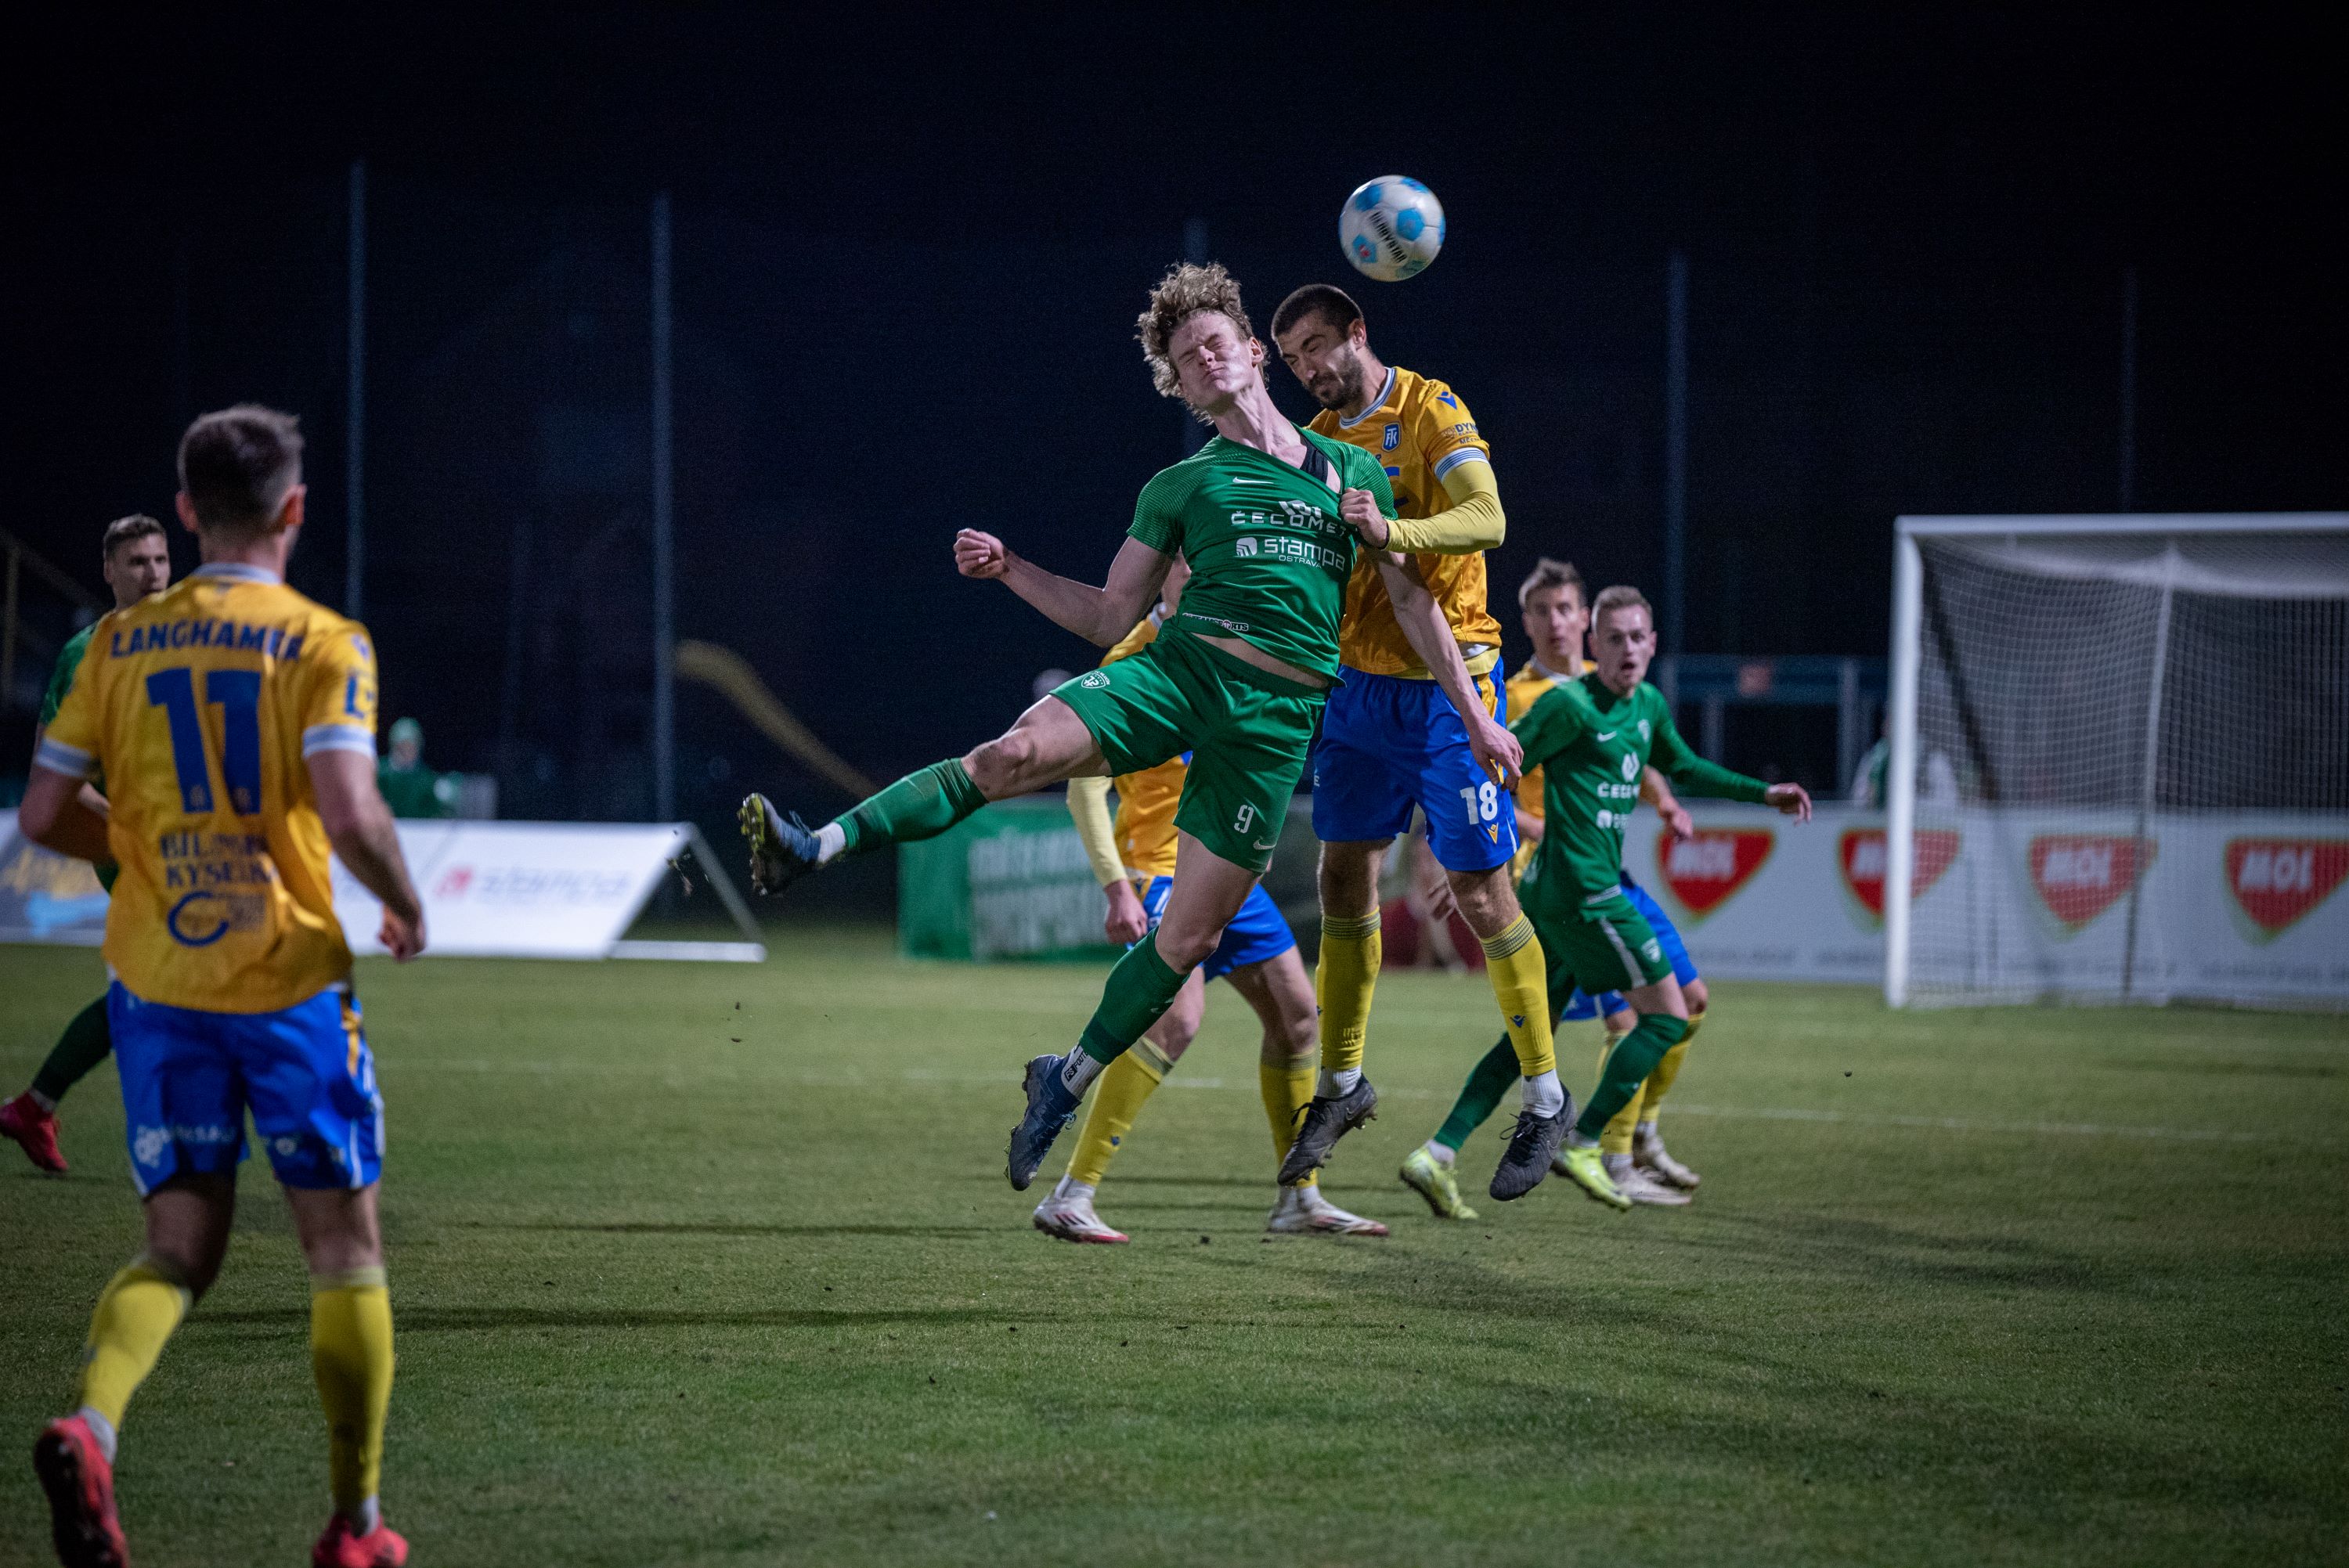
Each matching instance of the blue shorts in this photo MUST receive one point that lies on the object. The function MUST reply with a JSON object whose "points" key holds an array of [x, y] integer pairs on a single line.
{"points": [[1683, 967], [1389, 744], [188, 1079], [1256, 933]]}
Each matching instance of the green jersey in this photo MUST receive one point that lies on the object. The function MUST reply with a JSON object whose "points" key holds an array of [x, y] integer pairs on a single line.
{"points": [[1592, 746], [61, 682], [1269, 556]]}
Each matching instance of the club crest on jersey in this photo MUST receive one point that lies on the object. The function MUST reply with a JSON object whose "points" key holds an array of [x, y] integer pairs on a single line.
{"points": [[1096, 680], [1392, 439]]}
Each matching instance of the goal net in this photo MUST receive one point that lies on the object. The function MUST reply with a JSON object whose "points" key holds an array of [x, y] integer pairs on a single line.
{"points": [[2119, 762]]}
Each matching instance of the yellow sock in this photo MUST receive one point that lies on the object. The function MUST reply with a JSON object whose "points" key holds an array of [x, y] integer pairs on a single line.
{"points": [[1288, 1091], [1124, 1084], [1514, 963], [1659, 1082], [136, 1314], [1342, 983], [1616, 1138], [350, 1355]]}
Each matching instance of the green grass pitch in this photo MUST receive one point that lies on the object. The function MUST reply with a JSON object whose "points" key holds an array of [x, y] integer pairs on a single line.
{"points": [[712, 1264]]}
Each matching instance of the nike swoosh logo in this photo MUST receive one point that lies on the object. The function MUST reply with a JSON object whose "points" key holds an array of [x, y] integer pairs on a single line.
{"points": [[1610, 735], [1263, 846]]}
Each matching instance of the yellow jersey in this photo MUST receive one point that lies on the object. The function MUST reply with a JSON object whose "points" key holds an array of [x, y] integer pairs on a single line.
{"points": [[1419, 430], [1526, 689], [200, 704], [1146, 800]]}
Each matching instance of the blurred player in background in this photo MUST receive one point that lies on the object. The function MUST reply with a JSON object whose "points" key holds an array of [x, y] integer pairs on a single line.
{"points": [[235, 723], [1551, 607], [1270, 518], [1133, 860], [1391, 740], [136, 559]]}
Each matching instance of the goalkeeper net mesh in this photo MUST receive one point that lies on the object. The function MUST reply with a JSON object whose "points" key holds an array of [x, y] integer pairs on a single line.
{"points": [[2127, 739]]}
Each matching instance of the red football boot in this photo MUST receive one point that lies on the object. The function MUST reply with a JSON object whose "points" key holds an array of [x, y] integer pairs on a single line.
{"points": [[22, 1119], [382, 1547], [81, 1483]]}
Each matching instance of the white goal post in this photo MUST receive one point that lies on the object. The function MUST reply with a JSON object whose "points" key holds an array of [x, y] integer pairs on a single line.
{"points": [[2119, 759]]}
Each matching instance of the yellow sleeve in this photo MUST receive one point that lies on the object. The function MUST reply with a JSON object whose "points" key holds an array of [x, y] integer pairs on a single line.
{"points": [[1088, 805], [338, 706], [68, 742], [1473, 520]]}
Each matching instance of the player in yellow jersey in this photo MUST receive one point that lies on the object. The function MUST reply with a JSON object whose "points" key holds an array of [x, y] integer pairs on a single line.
{"points": [[235, 723], [1133, 858], [1391, 741]]}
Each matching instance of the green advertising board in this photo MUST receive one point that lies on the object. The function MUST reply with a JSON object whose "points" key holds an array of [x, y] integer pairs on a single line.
{"points": [[1009, 882]]}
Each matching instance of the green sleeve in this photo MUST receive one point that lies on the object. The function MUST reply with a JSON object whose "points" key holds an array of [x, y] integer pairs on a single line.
{"points": [[1371, 475], [1554, 723], [1158, 513], [1692, 774], [61, 678]]}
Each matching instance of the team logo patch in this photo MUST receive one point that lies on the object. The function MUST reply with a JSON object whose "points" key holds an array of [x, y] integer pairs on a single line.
{"points": [[1447, 399], [2080, 875], [1094, 681], [1392, 438], [1861, 854], [2276, 880], [1704, 870]]}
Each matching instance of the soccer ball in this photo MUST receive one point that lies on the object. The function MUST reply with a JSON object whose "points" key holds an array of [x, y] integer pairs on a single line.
{"points": [[1391, 228]]}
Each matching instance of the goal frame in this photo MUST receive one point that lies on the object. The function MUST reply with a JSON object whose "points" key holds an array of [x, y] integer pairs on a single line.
{"points": [[1907, 663]]}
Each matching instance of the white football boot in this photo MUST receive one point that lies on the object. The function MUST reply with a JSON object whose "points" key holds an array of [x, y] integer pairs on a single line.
{"points": [[1068, 1213], [1302, 1211], [1641, 1187], [1648, 1153]]}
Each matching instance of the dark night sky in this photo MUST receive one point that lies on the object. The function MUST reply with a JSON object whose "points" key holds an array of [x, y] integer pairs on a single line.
{"points": [[909, 258]]}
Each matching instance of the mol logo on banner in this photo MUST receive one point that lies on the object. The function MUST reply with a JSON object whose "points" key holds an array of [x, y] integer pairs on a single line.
{"points": [[2277, 881], [1703, 871], [1861, 851], [2080, 875]]}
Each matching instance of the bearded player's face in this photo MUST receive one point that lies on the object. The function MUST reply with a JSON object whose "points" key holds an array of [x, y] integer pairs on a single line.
{"points": [[1324, 359]]}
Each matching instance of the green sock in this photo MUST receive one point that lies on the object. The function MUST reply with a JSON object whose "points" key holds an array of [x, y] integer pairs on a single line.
{"points": [[1488, 1081], [919, 806], [1635, 1056], [79, 1049], [1140, 989]]}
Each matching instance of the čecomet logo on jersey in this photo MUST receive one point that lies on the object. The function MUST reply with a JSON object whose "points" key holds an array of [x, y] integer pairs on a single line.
{"points": [[2078, 876], [1705, 869], [2275, 881]]}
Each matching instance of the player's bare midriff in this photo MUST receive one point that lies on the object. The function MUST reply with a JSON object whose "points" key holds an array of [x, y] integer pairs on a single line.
{"points": [[1249, 654]]}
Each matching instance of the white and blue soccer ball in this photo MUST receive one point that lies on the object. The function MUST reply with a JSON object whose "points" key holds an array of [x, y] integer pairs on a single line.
{"points": [[1391, 228]]}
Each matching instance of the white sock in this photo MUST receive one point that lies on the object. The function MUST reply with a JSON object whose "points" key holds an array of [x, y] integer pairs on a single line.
{"points": [[1577, 1141], [101, 1429], [830, 839], [1543, 1094], [1071, 1187], [1078, 1070], [1617, 1165], [1335, 1082], [366, 1517], [1643, 1129], [1437, 1152], [48, 1107]]}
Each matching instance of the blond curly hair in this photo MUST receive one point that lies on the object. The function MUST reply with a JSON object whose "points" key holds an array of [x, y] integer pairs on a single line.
{"points": [[1188, 289]]}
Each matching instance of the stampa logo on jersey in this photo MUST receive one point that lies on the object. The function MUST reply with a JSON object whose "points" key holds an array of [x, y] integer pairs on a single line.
{"points": [[1704, 870], [2081, 875], [2276, 880], [1861, 854]]}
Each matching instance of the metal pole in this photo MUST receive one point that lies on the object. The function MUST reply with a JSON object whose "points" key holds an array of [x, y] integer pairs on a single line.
{"points": [[2137, 842], [355, 407], [1900, 771], [2129, 389], [1195, 251], [1849, 744], [664, 544], [1675, 451]]}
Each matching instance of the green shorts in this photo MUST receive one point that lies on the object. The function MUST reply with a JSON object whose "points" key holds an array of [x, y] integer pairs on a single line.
{"points": [[1249, 732], [1603, 944]]}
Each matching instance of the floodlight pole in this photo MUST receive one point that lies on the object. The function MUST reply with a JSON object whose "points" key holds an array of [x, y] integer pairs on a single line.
{"points": [[355, 406], [1675, 452], [664, 745]]}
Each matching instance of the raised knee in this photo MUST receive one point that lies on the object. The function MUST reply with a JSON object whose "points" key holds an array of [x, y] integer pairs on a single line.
{"points": [[994, 766]]}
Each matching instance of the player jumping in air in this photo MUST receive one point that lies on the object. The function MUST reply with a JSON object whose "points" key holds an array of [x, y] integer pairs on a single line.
{"points": [[1271, 519], [1133, 860], [1390, 742], [137, 561], [1592, 737], [1556, 616], [234, 722]]}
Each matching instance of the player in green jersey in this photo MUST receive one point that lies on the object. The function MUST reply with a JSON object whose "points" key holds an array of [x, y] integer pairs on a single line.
{"points": [[137, 561], [1270, 518], [1594, 738]]}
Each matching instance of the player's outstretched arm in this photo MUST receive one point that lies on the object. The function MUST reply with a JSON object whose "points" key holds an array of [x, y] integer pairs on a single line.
{"points": [[54, 816], [1100, 616], [1429, 636], [359, 825]]}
